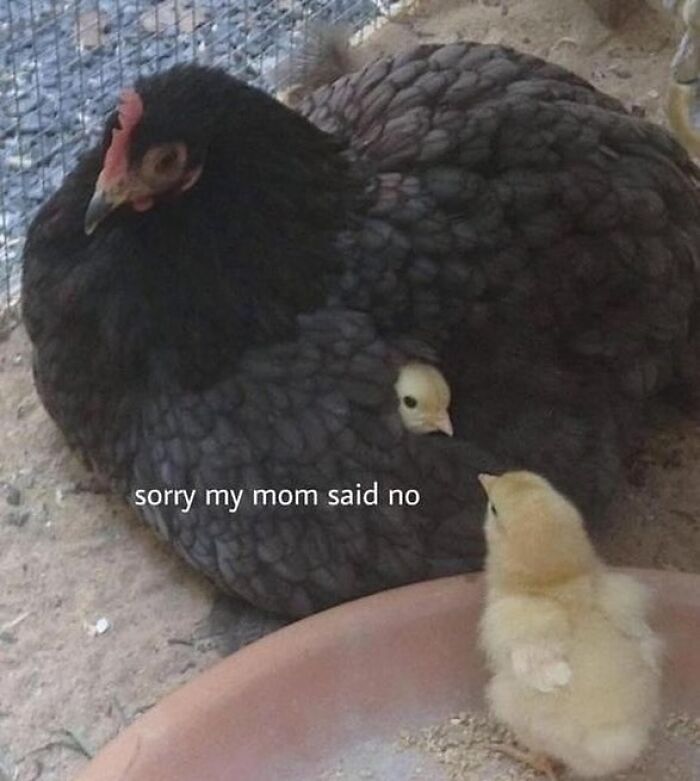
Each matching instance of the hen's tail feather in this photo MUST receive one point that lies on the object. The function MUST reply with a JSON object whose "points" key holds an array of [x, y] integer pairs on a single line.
{"points": [[325, 56]]}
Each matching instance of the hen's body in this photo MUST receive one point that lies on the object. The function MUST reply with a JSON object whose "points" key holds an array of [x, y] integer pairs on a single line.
{"points": [[320, 412], [464, 185], [504, 184]]}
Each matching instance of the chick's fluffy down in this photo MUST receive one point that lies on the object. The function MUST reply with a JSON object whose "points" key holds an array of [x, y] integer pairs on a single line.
{"points": [[576, 668], [598, 721]]}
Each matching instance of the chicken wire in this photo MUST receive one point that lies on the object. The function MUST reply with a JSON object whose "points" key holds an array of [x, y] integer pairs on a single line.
{"points": [[63, 62]]}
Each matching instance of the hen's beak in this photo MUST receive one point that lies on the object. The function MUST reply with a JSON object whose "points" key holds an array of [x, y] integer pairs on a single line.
{"points": [[444, 424], [486, 481], [98, 208], [104, 201]]}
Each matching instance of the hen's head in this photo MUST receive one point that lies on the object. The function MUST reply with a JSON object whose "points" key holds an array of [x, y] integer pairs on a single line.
{"points": [[535, 536], [157, 141]]}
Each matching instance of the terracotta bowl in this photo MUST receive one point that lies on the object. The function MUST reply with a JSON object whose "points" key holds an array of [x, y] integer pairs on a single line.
{"points": [[337, 689]]}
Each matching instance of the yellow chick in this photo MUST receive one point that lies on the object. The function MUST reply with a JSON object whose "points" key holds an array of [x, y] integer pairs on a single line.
{"points": [[575, 667], [424, 398]]}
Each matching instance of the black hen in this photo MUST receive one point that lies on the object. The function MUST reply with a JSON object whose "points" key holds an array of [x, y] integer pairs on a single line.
{"points": [[454, 187]]}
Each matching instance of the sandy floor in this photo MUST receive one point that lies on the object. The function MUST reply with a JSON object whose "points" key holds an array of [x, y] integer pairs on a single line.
{"points": [[631, 63], [70, 558]]}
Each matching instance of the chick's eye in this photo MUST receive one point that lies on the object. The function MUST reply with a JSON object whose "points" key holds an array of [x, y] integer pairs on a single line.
{"points": [[410, 402], [492, 510]]}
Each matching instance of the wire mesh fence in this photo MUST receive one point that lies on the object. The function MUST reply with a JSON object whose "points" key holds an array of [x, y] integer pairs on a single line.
{"points": [[62, 63]]}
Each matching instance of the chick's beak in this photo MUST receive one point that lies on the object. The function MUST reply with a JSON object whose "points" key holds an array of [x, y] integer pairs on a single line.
{"points": [[486, 481], [444, 424], [104, 200]]}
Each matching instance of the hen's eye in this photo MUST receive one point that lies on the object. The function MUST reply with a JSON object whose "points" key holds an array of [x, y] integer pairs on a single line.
{"points": [[492, 509], [410, 402], [163, 165], [166, 161]]}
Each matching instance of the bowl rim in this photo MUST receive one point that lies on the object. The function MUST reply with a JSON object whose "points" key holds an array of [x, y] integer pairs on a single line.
{"points": [[193, 706]]}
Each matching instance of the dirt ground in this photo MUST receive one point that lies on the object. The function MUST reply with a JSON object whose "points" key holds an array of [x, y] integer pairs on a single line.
{"points": [[98, 620]]}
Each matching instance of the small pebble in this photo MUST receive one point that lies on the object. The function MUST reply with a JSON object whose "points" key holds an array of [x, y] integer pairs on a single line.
{"points": [[620, 71], [13, 496], [100, 626], [24, 408], [17, 518]]}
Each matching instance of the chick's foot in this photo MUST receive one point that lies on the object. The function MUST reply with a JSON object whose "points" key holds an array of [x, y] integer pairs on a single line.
{"points": [[538, 762]]}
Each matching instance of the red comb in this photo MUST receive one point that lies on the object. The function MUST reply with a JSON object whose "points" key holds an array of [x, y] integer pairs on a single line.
{"points": [[130, 112]]}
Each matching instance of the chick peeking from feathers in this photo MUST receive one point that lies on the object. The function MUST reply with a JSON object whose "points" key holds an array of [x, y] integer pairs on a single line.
{"points": [[424, 399], [575, 666]]}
